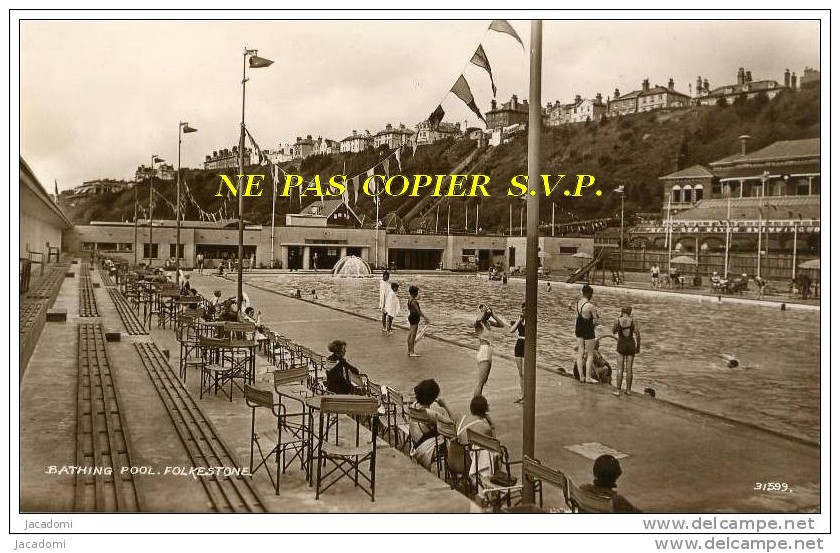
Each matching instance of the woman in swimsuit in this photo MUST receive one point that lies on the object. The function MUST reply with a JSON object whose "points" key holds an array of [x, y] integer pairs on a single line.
{"points": [[629, 344], [518, 328], [483, 329], [414, 316], [587, 319]]}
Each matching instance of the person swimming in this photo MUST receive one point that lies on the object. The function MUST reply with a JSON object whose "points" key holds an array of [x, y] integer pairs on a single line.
{"points": [[731, 361]]}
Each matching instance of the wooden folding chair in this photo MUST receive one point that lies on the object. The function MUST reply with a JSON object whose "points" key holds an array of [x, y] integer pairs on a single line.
{"points": [[493, 485], [456, 459], [347, 458], [284, 435], [539, 475]]}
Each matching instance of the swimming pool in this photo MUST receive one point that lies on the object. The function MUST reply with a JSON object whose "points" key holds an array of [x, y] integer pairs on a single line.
{"points": [[777, 385]]}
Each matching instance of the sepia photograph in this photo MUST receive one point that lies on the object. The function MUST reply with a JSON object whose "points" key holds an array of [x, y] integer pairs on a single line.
{"points": [[420, 263]]}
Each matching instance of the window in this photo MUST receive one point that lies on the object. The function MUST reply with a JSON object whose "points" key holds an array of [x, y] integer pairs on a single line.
{"points": [[676, 194], [180, 250], [717, 189], [154, 250], [802, 188], [698, 192], [687, 189]]}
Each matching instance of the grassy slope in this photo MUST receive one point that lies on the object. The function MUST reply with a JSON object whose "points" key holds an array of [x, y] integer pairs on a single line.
{"points": [[633, 150]]}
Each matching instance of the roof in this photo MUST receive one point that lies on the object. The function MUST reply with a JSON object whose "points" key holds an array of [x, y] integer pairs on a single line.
{"points": [[753, 86], [773, 169], [786, 207], [695, 171], [359, 136], [778, 151], [28, 179], [660, 90]]}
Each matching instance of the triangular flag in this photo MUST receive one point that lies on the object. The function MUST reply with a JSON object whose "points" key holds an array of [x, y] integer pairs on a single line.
{"points": [[480, 59], [503, 26], [461, 89], [346, 195], [355, 189], [372, 187], [397, 155], [436, 117], [413, 148], [56, 190], [386, 165]]}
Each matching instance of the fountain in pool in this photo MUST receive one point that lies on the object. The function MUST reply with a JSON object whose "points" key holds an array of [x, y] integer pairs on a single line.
{"points": [[351, 266]]}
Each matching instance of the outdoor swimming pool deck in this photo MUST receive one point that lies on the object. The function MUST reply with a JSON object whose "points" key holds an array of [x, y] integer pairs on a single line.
{"points": [[677, 460]]}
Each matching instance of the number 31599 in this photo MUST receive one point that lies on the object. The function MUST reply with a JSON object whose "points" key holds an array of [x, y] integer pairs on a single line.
{"points": [[772, 487]]}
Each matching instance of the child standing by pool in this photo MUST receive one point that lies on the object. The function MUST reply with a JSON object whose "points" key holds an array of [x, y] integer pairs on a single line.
{"points": [[392, 306], [414, 316]]}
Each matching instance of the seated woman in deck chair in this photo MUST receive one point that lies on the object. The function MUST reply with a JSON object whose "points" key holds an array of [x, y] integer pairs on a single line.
{"points": [[422, 436]]}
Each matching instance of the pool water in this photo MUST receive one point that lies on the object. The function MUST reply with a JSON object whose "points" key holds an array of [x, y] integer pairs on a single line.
{"points": [[776, 386]]}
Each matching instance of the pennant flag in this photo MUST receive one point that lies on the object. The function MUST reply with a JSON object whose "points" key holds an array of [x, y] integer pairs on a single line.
{"points": [[386, 165], [413, 149], [56, 190], [461, 89], [436, 117], [480, 59], [355, 189], [260, 157], [346, 195], [399, 163], [503, 26]]}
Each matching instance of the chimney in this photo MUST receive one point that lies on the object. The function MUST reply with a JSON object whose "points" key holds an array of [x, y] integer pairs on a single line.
{"points": [[645, 84], [744, 138], [787, 78], [577, 98], [670, 84], [513, 101], [793, 81], [402, 126], [740, 75], [297, 139], [354, 132], [616, 94], [748, 77], [492, 104], [388, 127], [598, 98], [309, 137], [699, 86], [706, 86]]}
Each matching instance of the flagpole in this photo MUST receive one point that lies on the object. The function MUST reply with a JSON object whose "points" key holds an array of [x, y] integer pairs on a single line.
{"points": [[552, 219], [531, 254], [758, 268], [510, 219], [476, 218], [669, 234], [728, 237], [273, 211], [448, 212], [135, 221], [437, 215], [376, 233], [795, 228]]}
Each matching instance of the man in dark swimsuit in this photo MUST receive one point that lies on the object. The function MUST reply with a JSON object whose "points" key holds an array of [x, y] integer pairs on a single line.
{"points": [[587, 319]]}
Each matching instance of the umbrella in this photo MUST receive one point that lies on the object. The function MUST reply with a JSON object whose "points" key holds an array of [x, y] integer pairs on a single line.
{"points": [[683, 260], [810, 264], [583, 255]]}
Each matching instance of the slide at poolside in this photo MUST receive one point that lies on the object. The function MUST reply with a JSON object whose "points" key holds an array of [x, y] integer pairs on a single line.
{"points": [[583, 271]]}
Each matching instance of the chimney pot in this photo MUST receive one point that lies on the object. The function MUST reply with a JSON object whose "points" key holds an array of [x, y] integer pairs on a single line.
{"points": [[744, 138]]}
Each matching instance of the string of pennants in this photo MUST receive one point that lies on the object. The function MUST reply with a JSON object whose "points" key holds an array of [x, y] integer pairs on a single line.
{"points": [[461, 88]]}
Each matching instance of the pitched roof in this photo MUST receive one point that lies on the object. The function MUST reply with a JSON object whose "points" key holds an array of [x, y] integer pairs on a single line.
{"points": [[778, 151], [773, 207], [695, 171]]}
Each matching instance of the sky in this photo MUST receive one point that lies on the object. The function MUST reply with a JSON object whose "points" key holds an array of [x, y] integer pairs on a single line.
{"points": [[99, 98]]}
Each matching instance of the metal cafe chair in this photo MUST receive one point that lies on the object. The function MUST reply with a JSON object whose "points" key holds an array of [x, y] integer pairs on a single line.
{"points": [[279, 436], [493, 485], [214, 373], [347, 457]]}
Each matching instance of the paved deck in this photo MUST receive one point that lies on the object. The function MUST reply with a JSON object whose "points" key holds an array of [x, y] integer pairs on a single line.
{"points": [[677, 460], [49, 423]]}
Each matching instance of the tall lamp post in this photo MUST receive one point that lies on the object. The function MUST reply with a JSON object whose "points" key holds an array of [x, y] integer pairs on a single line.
{"points": [[155, 159], [620, 190], [255, 62], [183, 127]]}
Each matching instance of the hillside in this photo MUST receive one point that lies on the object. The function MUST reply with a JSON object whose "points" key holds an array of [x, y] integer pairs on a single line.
{"points": [[633, 150]]}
